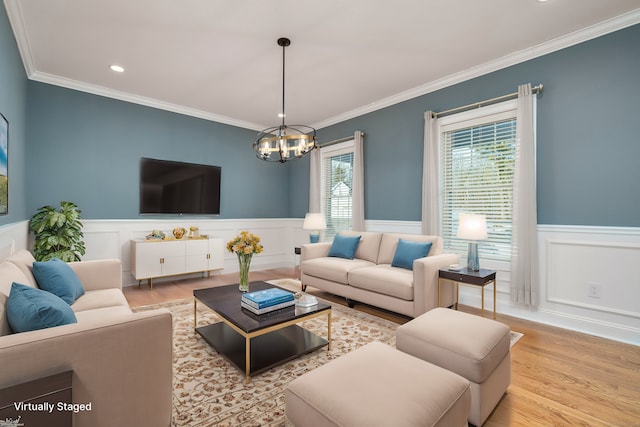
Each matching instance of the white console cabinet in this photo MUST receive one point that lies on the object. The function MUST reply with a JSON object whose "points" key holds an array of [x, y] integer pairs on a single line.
{"points": [[160, 258]]}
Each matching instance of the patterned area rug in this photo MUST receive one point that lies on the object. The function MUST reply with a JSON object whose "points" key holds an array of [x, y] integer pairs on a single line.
{"points": [[209, 391]]}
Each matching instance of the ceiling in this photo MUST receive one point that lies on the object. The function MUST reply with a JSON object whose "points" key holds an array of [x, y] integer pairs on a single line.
{"points": [[218, 59]]}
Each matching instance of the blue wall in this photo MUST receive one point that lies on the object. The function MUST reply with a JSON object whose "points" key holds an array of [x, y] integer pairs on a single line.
{"points": [[588, 136], [13, 101], [86, 149]]}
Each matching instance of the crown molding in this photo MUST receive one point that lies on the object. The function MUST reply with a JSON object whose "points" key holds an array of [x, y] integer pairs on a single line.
{"points": [[137, 99], [16, 20], [17, 23], [14, 12], [568, 40]]}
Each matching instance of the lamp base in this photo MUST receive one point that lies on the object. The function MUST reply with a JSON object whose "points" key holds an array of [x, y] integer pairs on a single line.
{"points": [[314, 237], [473, 263]]}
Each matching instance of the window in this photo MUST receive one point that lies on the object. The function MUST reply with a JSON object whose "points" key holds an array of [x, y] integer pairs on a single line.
{"points": [[477, 154], [336, 181]]}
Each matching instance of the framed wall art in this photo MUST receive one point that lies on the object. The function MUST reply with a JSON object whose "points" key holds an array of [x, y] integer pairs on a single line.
{"points": [[4, 161]]}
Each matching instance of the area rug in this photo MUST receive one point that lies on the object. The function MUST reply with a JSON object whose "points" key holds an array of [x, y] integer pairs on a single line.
{"points": [[209, 391], [514, 337]]}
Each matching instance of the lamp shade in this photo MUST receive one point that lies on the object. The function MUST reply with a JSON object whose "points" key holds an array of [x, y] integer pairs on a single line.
{"points": [[472, 227], [314, 221]]}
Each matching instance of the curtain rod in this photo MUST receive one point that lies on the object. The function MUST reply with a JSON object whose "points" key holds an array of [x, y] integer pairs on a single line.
{"points": [[337, 141], [535, 89]]}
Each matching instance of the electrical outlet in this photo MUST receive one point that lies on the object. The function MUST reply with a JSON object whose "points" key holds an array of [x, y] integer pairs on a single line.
{"points": [[594, 290]]}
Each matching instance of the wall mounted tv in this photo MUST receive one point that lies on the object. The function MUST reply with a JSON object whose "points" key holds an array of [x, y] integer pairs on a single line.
{"points": [[169, 187]]}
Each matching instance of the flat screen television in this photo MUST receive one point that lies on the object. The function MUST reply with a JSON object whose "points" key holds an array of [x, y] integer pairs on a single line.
{"points": [[169, 187]]}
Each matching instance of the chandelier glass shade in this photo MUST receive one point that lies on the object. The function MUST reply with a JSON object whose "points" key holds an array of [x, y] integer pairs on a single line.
{"points": [[285, 142]]}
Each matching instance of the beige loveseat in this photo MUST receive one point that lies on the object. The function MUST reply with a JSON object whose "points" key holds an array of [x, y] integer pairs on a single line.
{"points": [[370, 278], [121, 361]]}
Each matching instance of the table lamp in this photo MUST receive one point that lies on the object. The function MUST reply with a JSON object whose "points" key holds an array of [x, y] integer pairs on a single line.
{"points": [[472, 227], [314, 221]]}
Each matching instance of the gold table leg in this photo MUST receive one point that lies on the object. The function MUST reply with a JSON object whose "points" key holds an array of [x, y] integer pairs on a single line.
{"points": [[494, 300], [329, 329], [195, 313], [247, 359]]}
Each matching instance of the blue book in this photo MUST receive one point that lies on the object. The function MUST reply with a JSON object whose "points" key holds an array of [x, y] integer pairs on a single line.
{"points": [[267, 297]]}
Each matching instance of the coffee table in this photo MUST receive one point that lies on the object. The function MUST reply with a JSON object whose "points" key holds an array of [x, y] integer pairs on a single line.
{"points": [[256, 343]]}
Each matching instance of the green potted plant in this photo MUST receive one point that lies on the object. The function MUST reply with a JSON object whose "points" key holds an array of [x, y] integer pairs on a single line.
{"points": [[58, 233]]}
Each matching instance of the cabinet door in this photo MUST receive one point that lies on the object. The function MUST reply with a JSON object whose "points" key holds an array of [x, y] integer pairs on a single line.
{"points": [[216, 250], [147, 260], [173, 254], [198, 255]]}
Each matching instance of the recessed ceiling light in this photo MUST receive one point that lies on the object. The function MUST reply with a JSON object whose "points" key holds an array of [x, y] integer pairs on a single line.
{"points": [[117, 68], [281, 115]]}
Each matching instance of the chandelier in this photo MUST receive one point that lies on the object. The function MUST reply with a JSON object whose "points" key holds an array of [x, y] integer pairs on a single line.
{"points": [[284, 142]]}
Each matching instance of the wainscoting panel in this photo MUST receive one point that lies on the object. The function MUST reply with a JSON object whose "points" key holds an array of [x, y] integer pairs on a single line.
{"points": [[590, 280], [13, 237], [573, 259], [594, 275]]}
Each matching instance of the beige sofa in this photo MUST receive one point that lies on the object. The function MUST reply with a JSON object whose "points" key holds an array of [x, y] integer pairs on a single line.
{"points": [[370, 278], [121, 361]]}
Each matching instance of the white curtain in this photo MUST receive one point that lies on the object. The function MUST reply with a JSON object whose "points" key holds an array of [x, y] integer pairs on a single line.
{"points": [[524, 238], [357, 190], [430, 177], [314, 182]]}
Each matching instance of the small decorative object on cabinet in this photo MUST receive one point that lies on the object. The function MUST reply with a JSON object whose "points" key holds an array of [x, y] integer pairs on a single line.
{"points": [[244, 245], [160, 258], [178, 232]]}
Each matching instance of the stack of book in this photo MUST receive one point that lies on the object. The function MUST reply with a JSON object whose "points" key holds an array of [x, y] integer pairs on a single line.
{"points": [[265, 301]]}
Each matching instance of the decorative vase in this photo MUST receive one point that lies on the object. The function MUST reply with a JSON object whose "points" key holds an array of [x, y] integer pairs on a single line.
{"points": [[244, 261], [178, 232]]}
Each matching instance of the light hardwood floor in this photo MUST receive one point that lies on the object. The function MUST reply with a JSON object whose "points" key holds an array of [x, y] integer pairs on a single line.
{"points": [[558, 377]]}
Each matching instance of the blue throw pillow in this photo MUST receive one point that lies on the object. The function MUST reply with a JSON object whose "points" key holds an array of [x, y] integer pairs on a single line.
{"points": [[57, 277], [344, 246], [408, 251], [29, 309]]}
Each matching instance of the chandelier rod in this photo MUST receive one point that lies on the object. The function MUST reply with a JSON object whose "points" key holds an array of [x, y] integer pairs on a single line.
{"points": [[284, 42]]}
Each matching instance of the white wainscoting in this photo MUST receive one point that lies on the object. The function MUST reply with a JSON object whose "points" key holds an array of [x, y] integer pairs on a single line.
{"points": [[572, 259], [112, 239], [575, 258], [13, 237]]}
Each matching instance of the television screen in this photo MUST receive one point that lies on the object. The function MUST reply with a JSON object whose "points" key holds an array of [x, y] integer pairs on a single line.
{"points": [[168, 187]]}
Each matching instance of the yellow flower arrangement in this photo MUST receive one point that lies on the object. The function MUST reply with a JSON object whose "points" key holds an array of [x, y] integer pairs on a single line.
{"points": [[244, 245]]}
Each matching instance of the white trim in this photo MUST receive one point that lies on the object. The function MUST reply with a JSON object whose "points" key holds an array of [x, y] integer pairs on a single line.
{"points": [[141, 100], [282, 235], [477, 116], [568, 40], [591, 229], [16, 19], [381, 226]]}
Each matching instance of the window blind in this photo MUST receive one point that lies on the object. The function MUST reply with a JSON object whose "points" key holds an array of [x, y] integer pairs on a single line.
{"points": [[337, 179], [477, 167]]}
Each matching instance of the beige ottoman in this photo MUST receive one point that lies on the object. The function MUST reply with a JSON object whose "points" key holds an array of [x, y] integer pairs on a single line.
{"points": [[471, 346], [378, 385]]}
